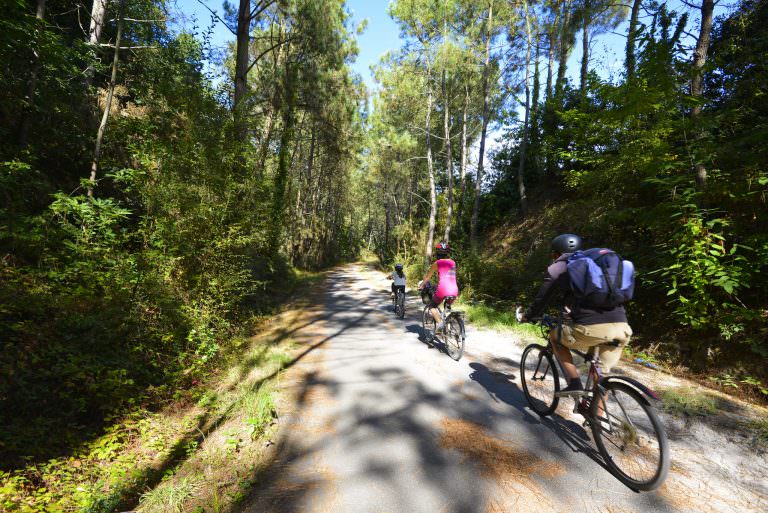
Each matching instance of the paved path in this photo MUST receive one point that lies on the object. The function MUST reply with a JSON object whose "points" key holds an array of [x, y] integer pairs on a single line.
{"points": [[376, 421]]}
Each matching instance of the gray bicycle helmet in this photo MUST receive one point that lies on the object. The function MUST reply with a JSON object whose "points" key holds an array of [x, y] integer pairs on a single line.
{"points": [[566, 243], [398, 267]]}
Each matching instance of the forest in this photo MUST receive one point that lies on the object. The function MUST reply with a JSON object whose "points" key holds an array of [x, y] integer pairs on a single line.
{"points": [[159, 197]]}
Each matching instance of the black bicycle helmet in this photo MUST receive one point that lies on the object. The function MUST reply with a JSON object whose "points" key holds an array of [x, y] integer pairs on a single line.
{"points": [[398, 267], [566, 243]]}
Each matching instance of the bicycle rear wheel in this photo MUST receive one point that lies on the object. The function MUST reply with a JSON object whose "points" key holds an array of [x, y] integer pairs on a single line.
{"points": [[428, 325], [630, 436], [400, 306], [454, 337], [540, 379]]}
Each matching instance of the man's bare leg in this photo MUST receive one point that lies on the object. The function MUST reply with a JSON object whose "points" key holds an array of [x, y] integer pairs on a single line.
{"points": [[565, 357]]}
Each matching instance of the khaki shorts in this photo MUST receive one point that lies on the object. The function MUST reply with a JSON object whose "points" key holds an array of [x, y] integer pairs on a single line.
{"points": [[583, 337]]}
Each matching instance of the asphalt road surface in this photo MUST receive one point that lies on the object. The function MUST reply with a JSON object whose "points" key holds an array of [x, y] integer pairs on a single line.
{"points": [[376, 421]]}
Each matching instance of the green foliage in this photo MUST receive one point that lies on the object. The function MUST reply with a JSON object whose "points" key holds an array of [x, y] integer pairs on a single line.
{"points": [[704, 276], [119, 302], [620, 160]]}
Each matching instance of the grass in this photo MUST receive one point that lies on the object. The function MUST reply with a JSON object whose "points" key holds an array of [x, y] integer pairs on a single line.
{"points": [[761, 427], [687, 401], [169, 498], [259, 409], [499, 319]]}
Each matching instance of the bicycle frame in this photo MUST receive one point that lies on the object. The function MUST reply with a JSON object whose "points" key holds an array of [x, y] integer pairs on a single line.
{"points": [[617, 408], [446, 312], [594, 374], [595, 378]]}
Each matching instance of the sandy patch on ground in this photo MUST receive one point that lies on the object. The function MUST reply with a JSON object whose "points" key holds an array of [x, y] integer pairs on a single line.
{"points": [[514, 469]]}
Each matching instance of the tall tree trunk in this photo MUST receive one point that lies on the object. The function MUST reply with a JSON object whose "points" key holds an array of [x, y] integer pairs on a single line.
{"points": [[269, 122], [524, 142], [536, 85], [298, 219], [632, 40], [697, 84], [533, 128], [387, 224], [448, 160], [565, 49], [107, 105], [464, 152], [284, 160], [98, 12], [479, 183], [551, 56], [430, 171], [548, 115], [29, 98], [410, 192], [241, 73], [584, 56]]}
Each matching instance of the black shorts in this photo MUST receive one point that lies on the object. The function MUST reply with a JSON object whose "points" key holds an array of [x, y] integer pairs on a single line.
{"points": [[395, 287], [435, 304]]}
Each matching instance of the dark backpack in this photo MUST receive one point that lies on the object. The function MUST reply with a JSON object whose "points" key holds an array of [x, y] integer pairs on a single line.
{"points": [[600, 279]]}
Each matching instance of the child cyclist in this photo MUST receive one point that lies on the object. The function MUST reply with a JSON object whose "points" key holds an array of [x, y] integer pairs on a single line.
{"points": [[446, 272], [398, 280]]}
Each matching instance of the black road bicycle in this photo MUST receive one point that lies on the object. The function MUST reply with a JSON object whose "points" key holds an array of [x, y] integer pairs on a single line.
{"points": [[399, 302], [619, 410], [452, 335]]}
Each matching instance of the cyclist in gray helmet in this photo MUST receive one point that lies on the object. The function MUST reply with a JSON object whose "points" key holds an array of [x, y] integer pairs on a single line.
{"points": [[566, 243], [586, 327]]}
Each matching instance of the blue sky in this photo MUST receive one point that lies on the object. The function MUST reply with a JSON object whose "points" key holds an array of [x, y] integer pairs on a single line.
{"points": [[381, 35]]}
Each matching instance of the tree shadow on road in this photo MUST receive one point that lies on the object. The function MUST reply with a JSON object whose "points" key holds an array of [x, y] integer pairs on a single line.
{"points": [[569, 432], [292, 481]]}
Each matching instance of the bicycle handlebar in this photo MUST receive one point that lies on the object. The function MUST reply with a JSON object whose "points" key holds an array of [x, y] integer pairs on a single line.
{"points": [[546, 320]]}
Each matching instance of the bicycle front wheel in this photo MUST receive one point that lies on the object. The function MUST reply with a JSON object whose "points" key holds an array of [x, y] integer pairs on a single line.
{"points": [[400, 307], [540, 379], [428, 325], [630, 436], [454, 337]]}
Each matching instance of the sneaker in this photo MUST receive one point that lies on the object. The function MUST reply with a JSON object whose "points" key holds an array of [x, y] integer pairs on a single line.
{"points": [[570, 391], [440, 327]]}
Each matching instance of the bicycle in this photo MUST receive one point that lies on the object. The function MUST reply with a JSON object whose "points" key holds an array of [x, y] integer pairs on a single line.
{"points": [[399, 302], [624, 422], [453, 327]]}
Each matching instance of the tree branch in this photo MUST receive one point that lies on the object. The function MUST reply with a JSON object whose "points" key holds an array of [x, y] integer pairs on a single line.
{"points": [[234, 32], [107, 45], [265, 52], [257, 10], [139, 21]]}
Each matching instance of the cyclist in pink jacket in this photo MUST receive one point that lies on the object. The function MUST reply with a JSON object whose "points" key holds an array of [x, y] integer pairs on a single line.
{"points": [[446, 272]]}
